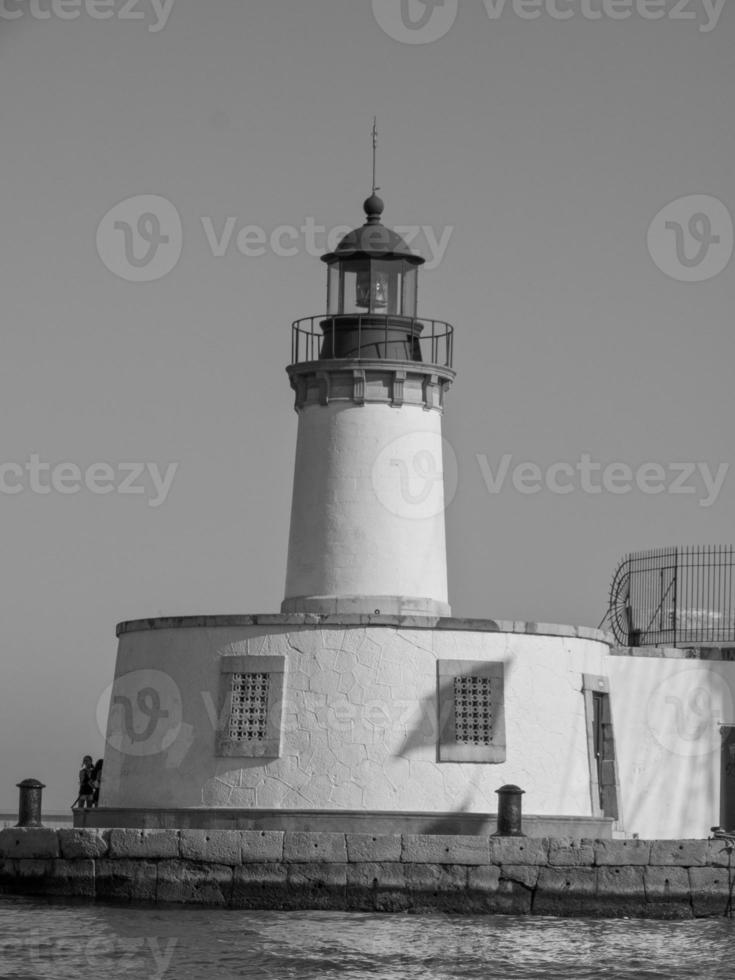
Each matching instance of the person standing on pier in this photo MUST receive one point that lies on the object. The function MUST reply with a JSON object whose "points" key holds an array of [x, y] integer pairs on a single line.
{"points": [[86, 783]]}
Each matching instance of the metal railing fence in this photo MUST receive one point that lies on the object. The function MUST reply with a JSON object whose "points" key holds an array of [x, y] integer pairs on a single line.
{"points": [[372, 336], [680, 596]]}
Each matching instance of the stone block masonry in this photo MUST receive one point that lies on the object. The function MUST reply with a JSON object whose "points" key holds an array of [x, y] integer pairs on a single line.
{"points": [[270, 869]]}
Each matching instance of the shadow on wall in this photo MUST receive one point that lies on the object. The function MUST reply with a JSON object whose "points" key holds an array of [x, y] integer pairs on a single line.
{"points": [[448, 824], [462, 721]]}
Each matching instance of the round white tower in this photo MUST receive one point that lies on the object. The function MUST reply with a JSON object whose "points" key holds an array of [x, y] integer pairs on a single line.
{"points": [[367, 518]]}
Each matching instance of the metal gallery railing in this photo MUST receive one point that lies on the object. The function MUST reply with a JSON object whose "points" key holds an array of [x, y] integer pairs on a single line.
{"points": [[682, 596], [372, 336]]}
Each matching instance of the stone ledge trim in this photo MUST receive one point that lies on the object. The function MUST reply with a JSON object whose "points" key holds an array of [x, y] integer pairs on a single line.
{"points": [[695, 651], [319, 620]]}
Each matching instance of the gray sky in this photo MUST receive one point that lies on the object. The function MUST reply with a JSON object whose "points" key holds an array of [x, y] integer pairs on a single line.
{"points": [[544, 148]]}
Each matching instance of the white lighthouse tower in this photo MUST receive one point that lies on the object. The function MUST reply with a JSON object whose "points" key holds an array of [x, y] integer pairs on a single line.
{"points": [[367, 519]]}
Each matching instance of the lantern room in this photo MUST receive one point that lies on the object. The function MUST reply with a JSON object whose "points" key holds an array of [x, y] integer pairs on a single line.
{"points": [[372, 270], [372, 293]]}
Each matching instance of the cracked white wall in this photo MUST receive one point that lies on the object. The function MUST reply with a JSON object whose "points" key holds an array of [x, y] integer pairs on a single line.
{"points": [[360, 721]]}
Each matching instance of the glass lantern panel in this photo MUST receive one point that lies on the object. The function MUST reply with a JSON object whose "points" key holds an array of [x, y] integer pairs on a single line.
{"points": [[386, 278], [410, 285], [355, 287], [333, 289]]}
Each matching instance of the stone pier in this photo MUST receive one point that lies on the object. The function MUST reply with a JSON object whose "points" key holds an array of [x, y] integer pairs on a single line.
{"points": [[269, 869]]}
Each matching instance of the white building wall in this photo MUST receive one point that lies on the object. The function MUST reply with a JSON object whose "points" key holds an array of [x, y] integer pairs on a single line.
{"points": [[360, 725], [667, 715], [360, 721], [367, 519]]}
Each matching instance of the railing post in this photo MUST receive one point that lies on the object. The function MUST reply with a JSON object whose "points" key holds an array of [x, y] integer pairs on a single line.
{"points": [[29, 803], [676, 595]]}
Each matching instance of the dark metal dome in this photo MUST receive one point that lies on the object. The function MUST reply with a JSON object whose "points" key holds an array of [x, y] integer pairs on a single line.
{"points": [[373, 239]]}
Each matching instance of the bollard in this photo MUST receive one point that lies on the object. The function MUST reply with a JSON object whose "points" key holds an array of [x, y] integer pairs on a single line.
{"points": [[509, 811], [29, 805]]}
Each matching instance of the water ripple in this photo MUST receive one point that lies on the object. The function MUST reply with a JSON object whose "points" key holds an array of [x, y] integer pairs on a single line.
{"points": [[43, 941]]}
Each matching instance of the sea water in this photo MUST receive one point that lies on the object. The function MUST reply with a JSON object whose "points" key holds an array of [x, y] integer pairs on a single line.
{"points": [[58, 941]]}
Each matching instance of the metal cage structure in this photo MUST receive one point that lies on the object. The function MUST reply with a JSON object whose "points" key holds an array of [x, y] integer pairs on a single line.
{"points": [[676, 597]]}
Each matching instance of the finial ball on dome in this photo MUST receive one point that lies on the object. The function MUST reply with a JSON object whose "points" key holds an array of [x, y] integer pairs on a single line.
{"points": [[374, 208]]}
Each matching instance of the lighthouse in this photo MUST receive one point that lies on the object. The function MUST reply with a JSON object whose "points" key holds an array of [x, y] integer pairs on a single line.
{"points": [[363, 704], [367, 519]]}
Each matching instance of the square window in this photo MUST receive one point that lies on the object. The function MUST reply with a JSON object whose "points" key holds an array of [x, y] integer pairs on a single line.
{"points": [[471, 711], [251, 706]]}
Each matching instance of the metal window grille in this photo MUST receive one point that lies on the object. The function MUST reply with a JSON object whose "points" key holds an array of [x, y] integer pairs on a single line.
{"points": [[249, 713], [674, 597], [473, 717]]}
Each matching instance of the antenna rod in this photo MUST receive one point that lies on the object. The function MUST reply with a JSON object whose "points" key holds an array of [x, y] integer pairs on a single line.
{"points": [[375, 152]]}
